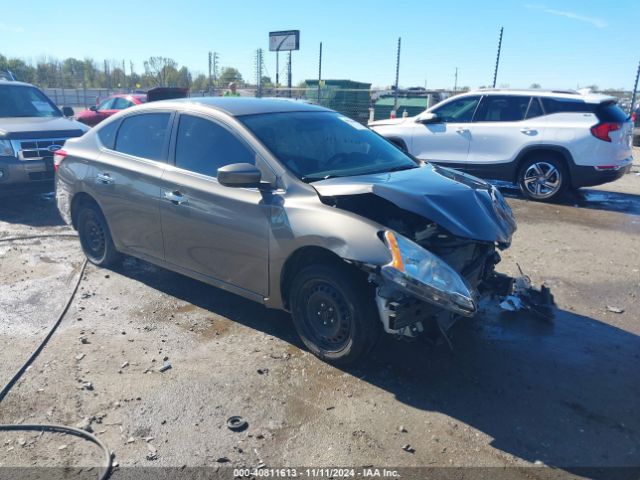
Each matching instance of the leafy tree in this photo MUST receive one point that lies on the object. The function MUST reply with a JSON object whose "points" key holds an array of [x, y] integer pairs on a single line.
{"points": [[535, 85], [230, 74]]}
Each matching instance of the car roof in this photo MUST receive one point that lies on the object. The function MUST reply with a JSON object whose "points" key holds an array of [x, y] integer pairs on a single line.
{"points": [[239, 106], [565, 94], [15, 82]]}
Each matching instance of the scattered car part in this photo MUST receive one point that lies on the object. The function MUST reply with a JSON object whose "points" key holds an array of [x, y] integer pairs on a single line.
{"points": [[237, 424]]}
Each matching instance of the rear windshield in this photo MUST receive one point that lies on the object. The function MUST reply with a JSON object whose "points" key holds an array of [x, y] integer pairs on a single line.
{"points": [[19, 101], [610, 112]]}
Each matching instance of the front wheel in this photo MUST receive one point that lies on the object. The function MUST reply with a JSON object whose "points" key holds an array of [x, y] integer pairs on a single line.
{"points": [[334, 313], [542, 179]]}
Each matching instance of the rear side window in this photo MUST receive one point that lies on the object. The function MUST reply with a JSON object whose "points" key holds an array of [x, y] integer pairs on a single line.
{"points": [[107, 134], [535, 110], [502, 108], [610, 112], [204, 146], [565, 105], [144, 135]]}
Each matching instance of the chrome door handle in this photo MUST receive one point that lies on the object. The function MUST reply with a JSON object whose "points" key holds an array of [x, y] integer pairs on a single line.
{"points": [[462, 130], [528, 131], [176, 198], [104, 178]]}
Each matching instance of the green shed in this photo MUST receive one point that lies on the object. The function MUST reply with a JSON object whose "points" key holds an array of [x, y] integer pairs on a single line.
{"points": [[412, 105], [348, 97]]}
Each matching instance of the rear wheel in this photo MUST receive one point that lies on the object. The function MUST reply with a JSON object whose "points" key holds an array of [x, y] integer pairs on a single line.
{"points": [[334, 313], [542, 179], [95, 237]]}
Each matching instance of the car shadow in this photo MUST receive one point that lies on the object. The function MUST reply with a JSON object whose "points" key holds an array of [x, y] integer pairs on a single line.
{"points": [[564, 393], [36, 210], [585, 198]]}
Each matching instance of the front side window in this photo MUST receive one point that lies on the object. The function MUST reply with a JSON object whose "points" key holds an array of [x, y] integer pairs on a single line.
{"points": [[320, 145], [121, 103], [106, 104], [457, 111], [144, 135], [502, 108], [203, 146], [19, 101]]}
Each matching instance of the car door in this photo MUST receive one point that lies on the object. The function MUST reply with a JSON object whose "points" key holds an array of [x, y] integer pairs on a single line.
{"points": [[216, 231], [126, 179], [446, 139], [503, 126]]}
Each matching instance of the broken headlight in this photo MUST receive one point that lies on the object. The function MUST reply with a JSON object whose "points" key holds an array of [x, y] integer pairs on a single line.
{"points": [[426, 276]]}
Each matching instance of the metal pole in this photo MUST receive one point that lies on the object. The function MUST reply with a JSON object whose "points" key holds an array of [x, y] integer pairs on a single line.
{"points": [[277, 71], [319, 72], [395, 96], [289, 75], [455, 85], [210, 65], [635, 89], [495, 72]]}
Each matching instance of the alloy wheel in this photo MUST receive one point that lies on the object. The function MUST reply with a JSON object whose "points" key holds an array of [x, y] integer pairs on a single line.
{"points": [[542, 180]]}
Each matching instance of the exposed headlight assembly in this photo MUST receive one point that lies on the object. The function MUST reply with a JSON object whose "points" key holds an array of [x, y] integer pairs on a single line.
{"points": [[426, 276], [6, 150]]}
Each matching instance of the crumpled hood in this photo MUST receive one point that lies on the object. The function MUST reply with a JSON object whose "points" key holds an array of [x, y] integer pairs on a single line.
{"points": [[464, 205], [36, 127]]}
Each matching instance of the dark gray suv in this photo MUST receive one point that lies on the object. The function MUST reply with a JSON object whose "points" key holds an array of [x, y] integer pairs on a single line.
{"points": [[291, 205], [32, 128]]}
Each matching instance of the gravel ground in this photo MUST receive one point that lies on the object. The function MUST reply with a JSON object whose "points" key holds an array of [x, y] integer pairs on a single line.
{"points": [[514, 392]]}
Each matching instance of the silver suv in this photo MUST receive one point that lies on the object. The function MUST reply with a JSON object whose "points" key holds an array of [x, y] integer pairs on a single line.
{"points": [[32, 128], [290, 205]]}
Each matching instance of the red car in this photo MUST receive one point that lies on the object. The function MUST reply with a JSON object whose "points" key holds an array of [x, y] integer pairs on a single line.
{"points": [[118, 102], [110, 106]]}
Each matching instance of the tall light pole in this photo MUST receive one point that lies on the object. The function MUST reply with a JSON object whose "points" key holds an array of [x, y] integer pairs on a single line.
{"points": [[495, 72]]}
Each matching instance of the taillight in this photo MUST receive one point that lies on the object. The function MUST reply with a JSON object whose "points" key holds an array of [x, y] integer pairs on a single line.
{"points": [[58, 157], [602, 130], [634, 117]]}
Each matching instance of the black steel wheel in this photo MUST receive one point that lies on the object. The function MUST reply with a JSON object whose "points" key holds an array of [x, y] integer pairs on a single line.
{"points": [[334, 312], [95, 237]]}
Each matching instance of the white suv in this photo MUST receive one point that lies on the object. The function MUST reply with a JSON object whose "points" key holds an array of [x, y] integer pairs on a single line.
{"points": [[545, 141]]}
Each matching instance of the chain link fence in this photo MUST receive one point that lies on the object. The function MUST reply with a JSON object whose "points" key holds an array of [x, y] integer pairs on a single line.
{"points": [[360, 104]]}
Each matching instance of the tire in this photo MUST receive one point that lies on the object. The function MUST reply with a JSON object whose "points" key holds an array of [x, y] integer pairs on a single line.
{"points": [[334, 313], [543, 178], [95, 237]]}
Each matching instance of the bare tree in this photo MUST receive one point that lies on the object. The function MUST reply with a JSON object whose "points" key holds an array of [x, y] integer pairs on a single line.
{"points": [[159, 69]]}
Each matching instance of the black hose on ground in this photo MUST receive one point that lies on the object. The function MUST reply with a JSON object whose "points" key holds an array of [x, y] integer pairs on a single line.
{"points": [[106, 467]]}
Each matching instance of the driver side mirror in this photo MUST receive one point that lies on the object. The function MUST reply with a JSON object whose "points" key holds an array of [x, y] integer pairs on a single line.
{"points": [[239, 175], [93, 108], [428, 117], [68, 112]]}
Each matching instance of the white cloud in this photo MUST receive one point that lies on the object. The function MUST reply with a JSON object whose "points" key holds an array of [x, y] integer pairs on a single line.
{"points": [[596, 22], [10, 28]]}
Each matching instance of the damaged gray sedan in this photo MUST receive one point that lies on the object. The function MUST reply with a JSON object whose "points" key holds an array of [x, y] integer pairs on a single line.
{"points": [[291, 205]]}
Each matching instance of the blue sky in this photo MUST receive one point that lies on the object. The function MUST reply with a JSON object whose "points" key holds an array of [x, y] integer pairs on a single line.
{"points": [[558, 44]]}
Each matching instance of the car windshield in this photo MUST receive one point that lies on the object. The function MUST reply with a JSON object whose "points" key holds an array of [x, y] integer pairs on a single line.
{"points": [[19, 101], [321, 145]]}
